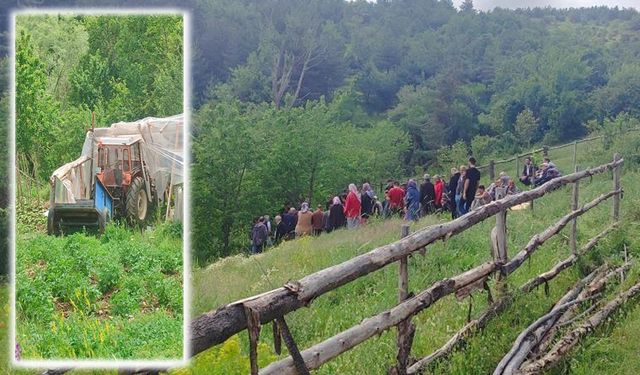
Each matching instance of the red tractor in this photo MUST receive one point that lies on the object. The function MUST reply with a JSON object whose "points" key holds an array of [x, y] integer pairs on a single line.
{"points": [[123, 172]]}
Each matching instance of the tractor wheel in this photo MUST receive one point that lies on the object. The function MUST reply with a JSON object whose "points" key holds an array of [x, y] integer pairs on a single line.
{"points": [[138, 205]]}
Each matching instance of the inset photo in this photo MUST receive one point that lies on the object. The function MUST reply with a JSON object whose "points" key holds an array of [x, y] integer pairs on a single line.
{"points": [[100, 124]]}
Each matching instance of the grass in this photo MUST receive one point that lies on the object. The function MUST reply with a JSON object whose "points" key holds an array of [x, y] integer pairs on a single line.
{"points": [[238, 277], [114, 297]]}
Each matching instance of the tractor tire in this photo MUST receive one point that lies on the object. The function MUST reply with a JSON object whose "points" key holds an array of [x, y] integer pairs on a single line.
{"points": [[138, 205]]}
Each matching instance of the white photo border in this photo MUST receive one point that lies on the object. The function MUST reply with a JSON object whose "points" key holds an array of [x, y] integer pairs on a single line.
{"points": [[186, 243]]}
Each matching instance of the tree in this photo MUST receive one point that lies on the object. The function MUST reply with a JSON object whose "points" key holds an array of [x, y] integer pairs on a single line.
{"points": [[467, 6], [526, 127]]}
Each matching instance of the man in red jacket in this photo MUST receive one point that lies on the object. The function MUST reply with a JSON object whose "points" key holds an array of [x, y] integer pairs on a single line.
{"points": [[396, 198]]}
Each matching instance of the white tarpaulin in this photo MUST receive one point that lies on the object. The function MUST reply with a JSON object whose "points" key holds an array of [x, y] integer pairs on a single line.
{"points": [[162, 146]]}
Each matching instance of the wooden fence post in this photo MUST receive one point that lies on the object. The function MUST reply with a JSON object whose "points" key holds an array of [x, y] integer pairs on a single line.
{"points": [[574, 223], [545, 151], [517, 166], [499, 247], [616, 187], [492, 170], [406, 329], [575, 153]]}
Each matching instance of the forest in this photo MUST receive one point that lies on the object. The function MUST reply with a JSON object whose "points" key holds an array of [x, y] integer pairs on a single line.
{"points": [[296, 99]]}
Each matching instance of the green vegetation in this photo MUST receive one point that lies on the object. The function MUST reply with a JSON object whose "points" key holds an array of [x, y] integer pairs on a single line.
{"points": [[238, 277], [307, 94], [119, 296], [78, 296]]}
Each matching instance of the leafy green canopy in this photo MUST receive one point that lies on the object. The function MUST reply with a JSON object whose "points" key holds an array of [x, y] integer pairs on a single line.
{"points": [[121, 67]]}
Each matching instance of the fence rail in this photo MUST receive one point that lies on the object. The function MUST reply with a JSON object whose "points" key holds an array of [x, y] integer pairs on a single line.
{"points": [[216, 326]]}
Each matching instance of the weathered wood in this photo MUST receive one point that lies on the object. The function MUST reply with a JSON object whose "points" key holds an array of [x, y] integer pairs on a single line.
{"points": [[568, 341], [320, 353], [277, 338], [301, 368], [540, 238], [253, 326], [500, 305], [574, 223], [616, 186], [214, 327], [575, 154], [527, 340], [403, 278], [569, 316], [406, 330]]}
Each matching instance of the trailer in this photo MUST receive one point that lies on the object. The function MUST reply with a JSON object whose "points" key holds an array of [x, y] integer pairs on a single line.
{"points": [[124, 172]]}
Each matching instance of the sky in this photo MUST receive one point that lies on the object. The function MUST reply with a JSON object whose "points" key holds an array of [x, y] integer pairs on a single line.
{"points": [[490, 4]]}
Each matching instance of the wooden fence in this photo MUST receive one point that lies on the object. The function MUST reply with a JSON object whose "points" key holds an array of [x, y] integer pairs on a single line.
{"points": [[217, 326]]}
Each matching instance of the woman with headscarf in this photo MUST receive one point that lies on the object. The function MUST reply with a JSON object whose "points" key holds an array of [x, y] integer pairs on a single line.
{"points": [[352, 207], [413, 201], [439, 189], [304, 226], [367, 202], [336, 215]]}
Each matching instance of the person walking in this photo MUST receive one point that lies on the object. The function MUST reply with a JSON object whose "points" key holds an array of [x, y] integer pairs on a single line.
{"points": [[471, 181], [304, 227], [317, 220], [336, 215], [352, 207], [427, 196], [258, 236], [413, 201]]}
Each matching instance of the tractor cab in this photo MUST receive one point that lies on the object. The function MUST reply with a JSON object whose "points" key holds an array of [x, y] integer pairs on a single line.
{"points": [[120, 170], [119, 161]]}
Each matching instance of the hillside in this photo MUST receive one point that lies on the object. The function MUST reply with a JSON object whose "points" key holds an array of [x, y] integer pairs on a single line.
{"points": [[238, 277]]}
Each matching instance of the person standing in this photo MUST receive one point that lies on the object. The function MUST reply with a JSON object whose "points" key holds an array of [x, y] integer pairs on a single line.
{"points": [[396, 199], [439, 190], [352, 207], [458, 191], [303, 226], [451, 190], [413, 201], [280, 231], [317, 220], [336, 215], [367, 202], [258, 236], [427, 196], [471, 181]]}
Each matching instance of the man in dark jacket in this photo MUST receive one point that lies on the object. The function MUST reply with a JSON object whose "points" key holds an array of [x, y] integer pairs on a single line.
{"points": [[451, 191], [427, 196], [258, 236], [528, 172]]}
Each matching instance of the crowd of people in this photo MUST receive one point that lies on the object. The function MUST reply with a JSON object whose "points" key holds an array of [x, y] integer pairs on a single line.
{"points": [[353, 207]]}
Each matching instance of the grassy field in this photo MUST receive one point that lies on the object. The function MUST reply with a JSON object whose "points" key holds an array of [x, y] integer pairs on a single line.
{"points": [[117, 296], [239, 277]]}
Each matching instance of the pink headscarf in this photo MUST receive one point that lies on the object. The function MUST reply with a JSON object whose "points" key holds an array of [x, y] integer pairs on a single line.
{"points": [[336, 200]]}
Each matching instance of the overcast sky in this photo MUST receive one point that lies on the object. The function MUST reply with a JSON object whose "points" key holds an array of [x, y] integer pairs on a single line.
{"points": [[490, 4]]}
